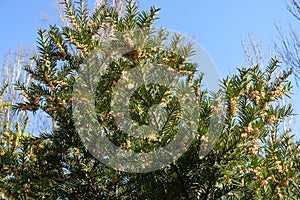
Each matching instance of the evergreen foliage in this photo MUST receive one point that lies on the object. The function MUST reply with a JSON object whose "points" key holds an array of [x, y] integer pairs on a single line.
{"points": [[252, 159]]}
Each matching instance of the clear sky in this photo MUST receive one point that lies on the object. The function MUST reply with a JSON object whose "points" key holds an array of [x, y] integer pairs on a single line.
{"points": [[217, 25]]}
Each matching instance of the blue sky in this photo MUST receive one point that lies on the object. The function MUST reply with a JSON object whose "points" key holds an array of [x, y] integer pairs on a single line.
{"points": [[217, 25]]}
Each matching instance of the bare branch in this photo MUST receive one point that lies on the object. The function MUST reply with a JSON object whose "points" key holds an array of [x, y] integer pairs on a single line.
{"points": [[294, 8], [252, 51]]}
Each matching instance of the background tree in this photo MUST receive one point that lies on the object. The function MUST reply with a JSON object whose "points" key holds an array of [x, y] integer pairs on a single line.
{"points": [[252, 159], [288, 47], [11, 72]]}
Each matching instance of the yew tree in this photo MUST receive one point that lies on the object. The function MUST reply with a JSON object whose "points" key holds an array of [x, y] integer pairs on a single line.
{"points": [[253, 156]]}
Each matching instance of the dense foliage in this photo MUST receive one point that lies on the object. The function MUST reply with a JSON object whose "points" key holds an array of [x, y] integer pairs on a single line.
{"points": [[254, 157]]}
